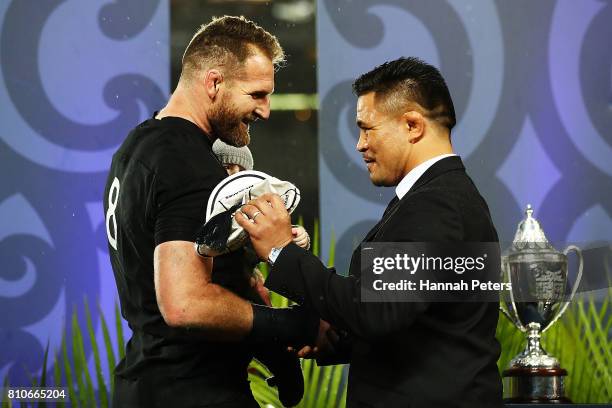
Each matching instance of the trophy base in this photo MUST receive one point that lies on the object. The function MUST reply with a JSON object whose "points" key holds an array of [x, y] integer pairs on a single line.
{"points": [[532, 401], [534, 385]]}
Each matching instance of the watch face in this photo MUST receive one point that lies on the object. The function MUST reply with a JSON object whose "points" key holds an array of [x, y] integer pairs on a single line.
{"points": [[273, 255]]}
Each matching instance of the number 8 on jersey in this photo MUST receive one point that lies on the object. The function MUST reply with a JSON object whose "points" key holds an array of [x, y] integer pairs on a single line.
{"points": [[113, 198]]}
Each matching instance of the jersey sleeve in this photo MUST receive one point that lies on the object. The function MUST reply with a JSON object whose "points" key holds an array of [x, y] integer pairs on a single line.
{"points": [[184, 180]]}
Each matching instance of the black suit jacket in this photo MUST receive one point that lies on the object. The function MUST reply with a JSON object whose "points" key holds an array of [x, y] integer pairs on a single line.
{"points": [[421, 355]]}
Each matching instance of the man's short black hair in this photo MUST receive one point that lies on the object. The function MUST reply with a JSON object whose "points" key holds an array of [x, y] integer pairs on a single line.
{"points": [[409, 79]]}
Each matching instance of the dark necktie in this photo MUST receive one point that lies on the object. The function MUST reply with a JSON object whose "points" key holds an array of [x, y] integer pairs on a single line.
{"points": [[375, 229], [391, 204]]}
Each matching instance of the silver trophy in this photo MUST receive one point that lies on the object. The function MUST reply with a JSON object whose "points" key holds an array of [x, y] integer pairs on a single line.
{"points": [[538, 275]]}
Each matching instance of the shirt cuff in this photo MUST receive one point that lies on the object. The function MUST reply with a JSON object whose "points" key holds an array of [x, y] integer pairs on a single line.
{"points": [[285, 276]]}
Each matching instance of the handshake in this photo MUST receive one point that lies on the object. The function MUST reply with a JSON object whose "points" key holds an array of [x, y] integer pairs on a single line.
{"points": [[311, 338], [305, 335]]}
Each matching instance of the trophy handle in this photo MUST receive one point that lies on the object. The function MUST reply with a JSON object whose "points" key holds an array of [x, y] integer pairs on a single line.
{"points": [[506, 313], [517, 322], [566, 251]]}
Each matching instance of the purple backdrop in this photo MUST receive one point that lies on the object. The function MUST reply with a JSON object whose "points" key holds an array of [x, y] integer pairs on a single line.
{"points": [[76, 76], [532, 85]]}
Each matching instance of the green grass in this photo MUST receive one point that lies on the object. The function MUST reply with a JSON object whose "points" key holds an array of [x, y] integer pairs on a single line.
{"points": [[6, 403], [70, 370]]}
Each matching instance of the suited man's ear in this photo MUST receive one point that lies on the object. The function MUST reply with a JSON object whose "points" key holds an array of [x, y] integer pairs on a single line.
{"points": [[212, 82], [414, 122]]}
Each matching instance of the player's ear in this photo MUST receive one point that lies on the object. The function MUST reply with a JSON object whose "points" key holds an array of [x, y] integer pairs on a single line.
{"points": [[213, 79], [414, 123]]}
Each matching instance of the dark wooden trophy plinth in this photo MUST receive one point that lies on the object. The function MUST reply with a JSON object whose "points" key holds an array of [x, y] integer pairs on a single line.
{"points": [[534, 385]]}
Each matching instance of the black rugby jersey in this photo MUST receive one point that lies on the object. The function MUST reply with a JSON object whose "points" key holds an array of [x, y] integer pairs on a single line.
{"points": [[157, 189]]}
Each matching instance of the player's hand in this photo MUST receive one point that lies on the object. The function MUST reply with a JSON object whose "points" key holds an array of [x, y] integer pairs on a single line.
{"points": [[300, 237], [257, 284], [267, 222]]}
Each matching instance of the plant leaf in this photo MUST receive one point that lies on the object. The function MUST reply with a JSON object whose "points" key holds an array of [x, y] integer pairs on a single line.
{"points": [[57, 376], [110, 352], [86, 391], [102, 390], [315, 239], [68, 370], [119, 327], [332, 250], [5, 401]]}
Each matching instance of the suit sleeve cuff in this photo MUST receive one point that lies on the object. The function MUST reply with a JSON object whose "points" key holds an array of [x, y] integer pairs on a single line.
{"points": [[285, 276]]}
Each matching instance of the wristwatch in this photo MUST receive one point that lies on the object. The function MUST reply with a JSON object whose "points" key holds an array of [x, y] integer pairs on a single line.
{"points": [[274, 253]]}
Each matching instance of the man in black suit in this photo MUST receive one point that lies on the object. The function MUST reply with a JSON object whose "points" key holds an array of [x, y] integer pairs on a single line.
{"points": [[416, 354]]}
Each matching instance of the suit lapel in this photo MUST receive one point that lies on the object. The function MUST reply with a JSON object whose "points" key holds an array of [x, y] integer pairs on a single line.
{"points": [[376, 227], [440, 167], [443, 166]]}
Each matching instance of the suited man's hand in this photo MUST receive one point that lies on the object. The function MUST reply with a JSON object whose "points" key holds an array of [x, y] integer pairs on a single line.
{"points": [[267, 223], [322, 345]]}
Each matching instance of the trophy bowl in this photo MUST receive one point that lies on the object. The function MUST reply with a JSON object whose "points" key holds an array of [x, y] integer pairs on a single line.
{"points": [[538, 275]]}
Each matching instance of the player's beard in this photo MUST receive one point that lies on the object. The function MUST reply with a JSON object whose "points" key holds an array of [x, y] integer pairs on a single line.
{"points": [[227, 124]]}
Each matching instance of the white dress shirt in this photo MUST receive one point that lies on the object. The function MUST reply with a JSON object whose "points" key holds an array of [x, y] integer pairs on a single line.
{"points": [[413, 175]]}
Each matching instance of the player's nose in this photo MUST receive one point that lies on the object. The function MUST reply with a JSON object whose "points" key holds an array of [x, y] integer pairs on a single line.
{"points": [[263, 109]]}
